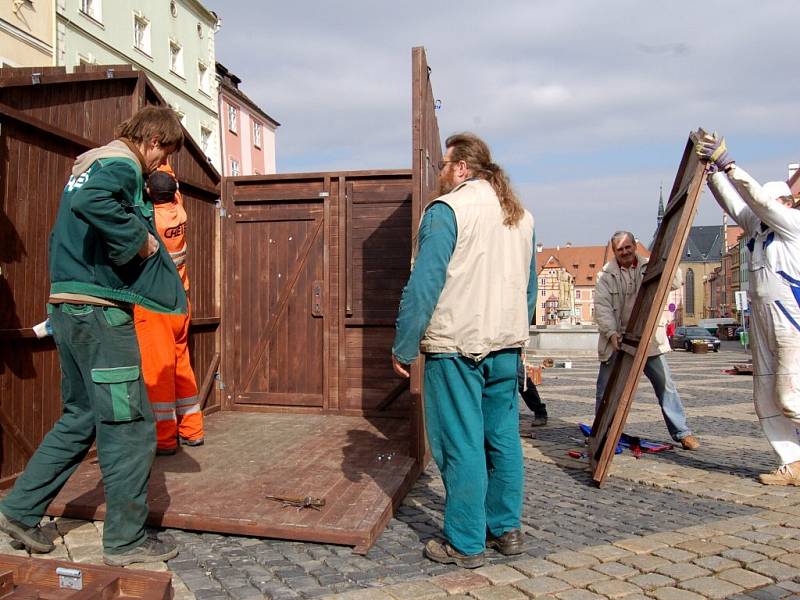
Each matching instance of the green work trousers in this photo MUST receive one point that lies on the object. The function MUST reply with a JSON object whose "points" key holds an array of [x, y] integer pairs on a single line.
{"points": [[472, 421], [104, 400]]}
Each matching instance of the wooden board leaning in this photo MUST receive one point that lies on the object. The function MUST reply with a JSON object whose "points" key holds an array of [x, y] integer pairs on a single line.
{"points": [[629, 364]]}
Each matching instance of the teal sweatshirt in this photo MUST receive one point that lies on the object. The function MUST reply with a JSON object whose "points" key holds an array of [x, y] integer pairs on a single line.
{"points": [[102, 222]]}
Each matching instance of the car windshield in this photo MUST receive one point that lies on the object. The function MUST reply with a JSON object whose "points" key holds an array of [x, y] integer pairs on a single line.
{"points": [[696, 331]]}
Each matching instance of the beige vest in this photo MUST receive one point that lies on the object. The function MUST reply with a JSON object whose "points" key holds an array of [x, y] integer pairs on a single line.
{"points": [[484, 304]]}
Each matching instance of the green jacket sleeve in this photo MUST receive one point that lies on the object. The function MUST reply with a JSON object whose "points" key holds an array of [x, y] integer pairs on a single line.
{"points": [[105, 201], [436, 243], [533, 284]]}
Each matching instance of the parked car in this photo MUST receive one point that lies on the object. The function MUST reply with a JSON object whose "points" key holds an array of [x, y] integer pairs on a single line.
{"points": [[684, 336]]}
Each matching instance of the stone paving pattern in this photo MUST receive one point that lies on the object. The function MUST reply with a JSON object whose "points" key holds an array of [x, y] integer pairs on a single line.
{"points": [[675, 525]]}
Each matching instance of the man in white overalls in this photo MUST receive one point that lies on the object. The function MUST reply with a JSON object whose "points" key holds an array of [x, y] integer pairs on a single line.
{"points": [[771, 222]]}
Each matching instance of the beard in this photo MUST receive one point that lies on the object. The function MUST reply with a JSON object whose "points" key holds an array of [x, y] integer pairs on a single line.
{"points": [[446, 184]]}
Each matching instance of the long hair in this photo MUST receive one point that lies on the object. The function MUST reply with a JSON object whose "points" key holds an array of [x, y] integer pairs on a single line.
{"points": [[474, 151], [158, 122]]}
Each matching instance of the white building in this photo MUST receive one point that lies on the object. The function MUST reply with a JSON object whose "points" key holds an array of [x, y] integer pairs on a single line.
{"points": [[172, 40]]}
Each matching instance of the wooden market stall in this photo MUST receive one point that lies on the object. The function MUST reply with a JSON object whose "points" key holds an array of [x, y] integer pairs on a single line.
{"points": [[296, 281]]}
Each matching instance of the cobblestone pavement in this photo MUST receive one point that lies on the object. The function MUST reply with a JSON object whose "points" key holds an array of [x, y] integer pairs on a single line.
{"points": [[677, 524]]}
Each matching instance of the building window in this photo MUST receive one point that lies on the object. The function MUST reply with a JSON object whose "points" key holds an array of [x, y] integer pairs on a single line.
{"points": [[544, 293], [203, 78], [544, 304], [234, 167], [93, 9], [578, 294], [690, 292], [141, 34], [232, 119], [256, 134], [176, 58], [543, 281], [205, 139]]}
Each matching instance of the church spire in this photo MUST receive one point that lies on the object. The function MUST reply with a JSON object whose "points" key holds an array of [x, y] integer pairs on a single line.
{"points": [[660, 204]]}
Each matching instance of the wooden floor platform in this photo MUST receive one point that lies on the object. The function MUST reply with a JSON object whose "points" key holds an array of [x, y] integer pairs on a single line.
{"points": [[359, 466]]}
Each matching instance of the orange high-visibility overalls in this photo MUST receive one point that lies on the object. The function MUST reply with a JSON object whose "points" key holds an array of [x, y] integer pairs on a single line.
{"points": [[163, 342]]}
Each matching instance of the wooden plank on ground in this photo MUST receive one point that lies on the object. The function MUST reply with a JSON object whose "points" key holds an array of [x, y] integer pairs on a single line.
{"points": [[629, 364], [361, 466]]}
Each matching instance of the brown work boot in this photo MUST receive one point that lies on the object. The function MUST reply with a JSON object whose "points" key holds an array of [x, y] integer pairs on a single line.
{"points": [[785, 475], [442, 552], [508, 544], [690, 443], [152, 550], [33, 538]]}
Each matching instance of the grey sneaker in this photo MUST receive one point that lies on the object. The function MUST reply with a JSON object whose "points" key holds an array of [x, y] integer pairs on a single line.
{"points": [[187, 442], [33, 538], [152, 550]]}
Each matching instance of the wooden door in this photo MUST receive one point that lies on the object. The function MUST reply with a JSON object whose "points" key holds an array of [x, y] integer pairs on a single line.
{"points": [[275, 255]]}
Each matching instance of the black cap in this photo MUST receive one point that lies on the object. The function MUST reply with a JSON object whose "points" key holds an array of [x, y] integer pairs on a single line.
{"points": [[161, 186]]}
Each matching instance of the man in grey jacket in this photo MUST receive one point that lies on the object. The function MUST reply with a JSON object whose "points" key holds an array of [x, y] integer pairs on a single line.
{"points": [[618, 284]]}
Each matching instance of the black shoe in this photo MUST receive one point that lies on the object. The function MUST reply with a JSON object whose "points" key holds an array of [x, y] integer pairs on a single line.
{"points": [[166, 451], [442, 552], [508, 544], [32, 538], [539, 421], [152, 550], [187, 442]]}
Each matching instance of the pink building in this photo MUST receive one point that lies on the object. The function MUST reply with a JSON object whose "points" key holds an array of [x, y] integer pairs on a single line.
{"points": [[247, 132]]}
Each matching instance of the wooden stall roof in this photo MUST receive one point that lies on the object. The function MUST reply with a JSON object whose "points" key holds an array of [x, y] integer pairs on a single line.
{"points": [[629, 363]]}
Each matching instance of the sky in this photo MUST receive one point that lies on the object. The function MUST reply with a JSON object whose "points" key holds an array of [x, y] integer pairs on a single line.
{"points": [[586, 104]]}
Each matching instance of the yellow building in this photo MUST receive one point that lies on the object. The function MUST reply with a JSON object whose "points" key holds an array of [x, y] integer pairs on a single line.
{"points": [[26, 33]]}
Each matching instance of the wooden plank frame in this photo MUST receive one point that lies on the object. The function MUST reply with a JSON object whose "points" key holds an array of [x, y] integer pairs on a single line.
{"points": [[629, 363], [426, 154]]}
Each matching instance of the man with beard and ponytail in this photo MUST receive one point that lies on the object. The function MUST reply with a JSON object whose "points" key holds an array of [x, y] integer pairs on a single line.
{"points": [[104, 258], [770, 218], [468, 306]]}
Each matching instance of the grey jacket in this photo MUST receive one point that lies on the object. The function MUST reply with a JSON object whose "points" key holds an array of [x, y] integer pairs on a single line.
{"points": [[609, 301]]}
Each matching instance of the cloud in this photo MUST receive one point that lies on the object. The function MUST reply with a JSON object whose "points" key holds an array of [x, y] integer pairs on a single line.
{"points": [[578, 100]]}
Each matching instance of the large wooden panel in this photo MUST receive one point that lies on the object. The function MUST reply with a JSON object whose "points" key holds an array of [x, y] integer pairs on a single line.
{"points": [[47, 118], [426, 154], [629, 363], [360, 467]]}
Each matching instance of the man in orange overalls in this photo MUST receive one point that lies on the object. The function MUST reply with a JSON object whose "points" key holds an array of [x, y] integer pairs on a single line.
{"points": [[163, 338]]}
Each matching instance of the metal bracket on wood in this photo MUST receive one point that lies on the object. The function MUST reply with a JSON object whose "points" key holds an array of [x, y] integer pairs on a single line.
{"points": [[70, 579], [222, 212], [323, 194], [220, 383], [109, 73], [36, 78]]}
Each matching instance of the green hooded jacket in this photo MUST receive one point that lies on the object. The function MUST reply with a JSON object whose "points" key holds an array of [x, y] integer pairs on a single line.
{"points": [[102, 222]]}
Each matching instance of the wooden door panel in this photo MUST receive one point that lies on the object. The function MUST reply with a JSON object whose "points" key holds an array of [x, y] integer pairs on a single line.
{"points": [[279, 248]]}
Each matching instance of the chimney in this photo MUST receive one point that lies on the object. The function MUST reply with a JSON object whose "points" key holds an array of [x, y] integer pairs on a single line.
{"points": [[539, 247]]}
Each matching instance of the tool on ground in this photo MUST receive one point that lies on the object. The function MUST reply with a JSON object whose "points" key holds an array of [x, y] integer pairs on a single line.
{"points": [[299, 503]]}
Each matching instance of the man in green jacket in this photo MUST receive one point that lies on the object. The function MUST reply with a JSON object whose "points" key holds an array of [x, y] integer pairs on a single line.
{"points": [[104, 257]]}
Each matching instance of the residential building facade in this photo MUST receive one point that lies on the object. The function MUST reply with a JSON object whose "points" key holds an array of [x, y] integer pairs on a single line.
{"points": [[26, 34], [248, 133], [701, 256], [172, 40]]}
